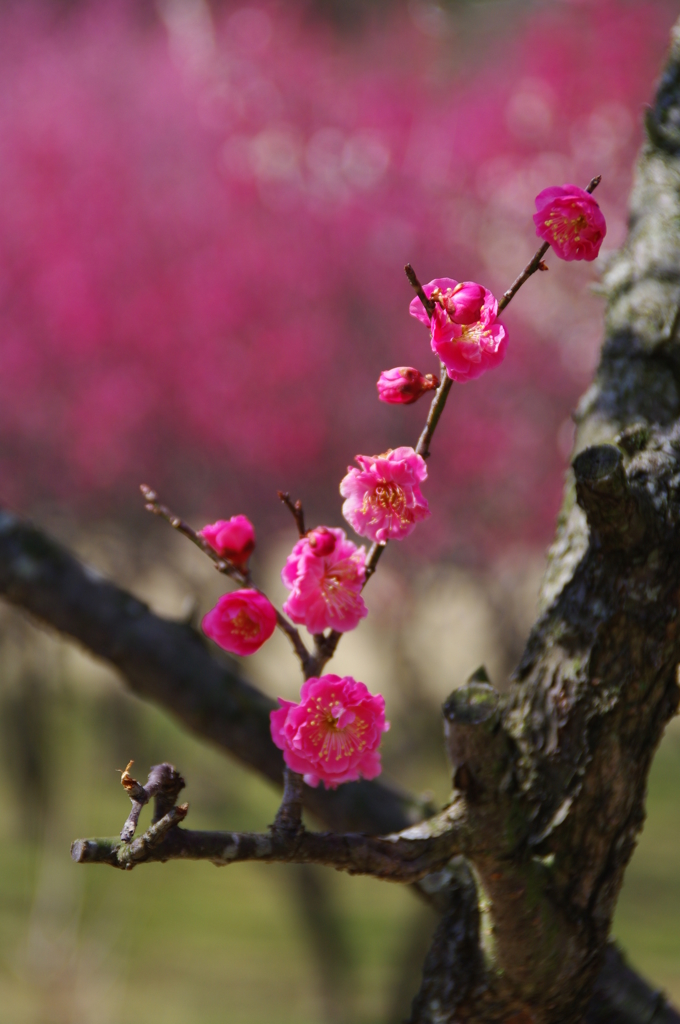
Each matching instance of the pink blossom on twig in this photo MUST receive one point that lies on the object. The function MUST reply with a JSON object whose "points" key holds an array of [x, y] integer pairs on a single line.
{"points": [[383, 497], [571, 221], [333, 734], [233, 539], [404, 385], [241, 622], [325, 572], [466, 335]]}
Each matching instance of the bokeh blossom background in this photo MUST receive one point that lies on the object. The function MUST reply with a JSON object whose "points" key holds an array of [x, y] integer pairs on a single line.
{"points": [[205, 210]]}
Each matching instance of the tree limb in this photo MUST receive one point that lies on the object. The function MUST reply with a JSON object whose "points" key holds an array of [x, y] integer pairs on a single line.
{"points": [[405, 856]]}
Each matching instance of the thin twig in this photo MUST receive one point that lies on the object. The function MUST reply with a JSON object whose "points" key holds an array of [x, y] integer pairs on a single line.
{"points": [[164, 783], [225, 567], [222, 565], [436, 409], [535, 262], [428, 303], [296, 511]]}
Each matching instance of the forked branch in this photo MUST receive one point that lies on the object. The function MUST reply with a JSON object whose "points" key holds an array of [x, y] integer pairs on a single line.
{"points": [[405, 856]]}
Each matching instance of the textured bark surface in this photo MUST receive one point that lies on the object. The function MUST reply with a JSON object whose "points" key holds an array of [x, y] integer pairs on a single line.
{"points": [[556, 782]]}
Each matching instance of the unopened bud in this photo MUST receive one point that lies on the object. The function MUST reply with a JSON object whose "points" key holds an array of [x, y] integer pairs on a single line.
{"points": [[404, 385], [322, 541]]}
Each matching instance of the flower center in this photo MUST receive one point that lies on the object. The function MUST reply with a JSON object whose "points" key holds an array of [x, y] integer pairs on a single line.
{"points": [[387, 498], [338, 585], [244, 626], [332, 742], [474, 334], [566, 226]]}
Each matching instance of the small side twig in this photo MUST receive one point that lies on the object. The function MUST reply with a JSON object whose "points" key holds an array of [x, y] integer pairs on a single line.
{"points": [[164, 783], [222, 565], [428, 304], [227, 568], [296, 511]]}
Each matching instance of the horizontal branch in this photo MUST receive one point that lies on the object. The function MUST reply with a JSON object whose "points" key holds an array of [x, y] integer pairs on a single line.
{"points": [[401, 857]]}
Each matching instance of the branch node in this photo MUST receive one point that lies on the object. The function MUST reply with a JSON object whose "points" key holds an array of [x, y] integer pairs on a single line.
{"points": [[164, 783], [471, 716], [602, 491]]}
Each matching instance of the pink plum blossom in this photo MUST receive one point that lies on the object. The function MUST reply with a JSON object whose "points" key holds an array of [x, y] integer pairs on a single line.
{"points": [[233, 539], [404, 385], [325, 572], [383, 497], [333, 734], [241, 622], [571, 220], [466, 335]]}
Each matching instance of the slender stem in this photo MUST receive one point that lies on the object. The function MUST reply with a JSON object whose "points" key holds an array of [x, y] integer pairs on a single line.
{"points": [[427, 302], [436, 409], [227, 568], [534, 263], [296, 511]]}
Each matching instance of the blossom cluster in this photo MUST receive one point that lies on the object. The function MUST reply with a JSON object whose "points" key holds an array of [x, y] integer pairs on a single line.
{"points": [[333, 734]]}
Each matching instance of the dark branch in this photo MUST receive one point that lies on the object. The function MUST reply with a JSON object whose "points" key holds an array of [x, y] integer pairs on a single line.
{"points": [[622, 997], [401, 857], [164, 783]]}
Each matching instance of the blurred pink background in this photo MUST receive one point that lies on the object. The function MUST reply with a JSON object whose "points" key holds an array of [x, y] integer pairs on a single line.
{"points": [[204, 216]]}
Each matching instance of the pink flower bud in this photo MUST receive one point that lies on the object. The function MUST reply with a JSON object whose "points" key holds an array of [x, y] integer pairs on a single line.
{"points": [[233, 539], [465, 333], [325, 574], [333, 734], [571, 220], [241, 622], [384, 500], [322, 541], [404, 385]]}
